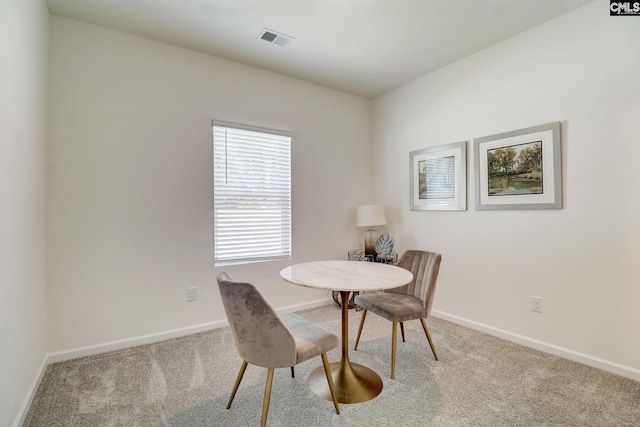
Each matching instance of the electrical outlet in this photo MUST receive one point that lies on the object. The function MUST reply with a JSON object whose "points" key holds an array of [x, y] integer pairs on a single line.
{"points": [[536, 304], [192, 294]]}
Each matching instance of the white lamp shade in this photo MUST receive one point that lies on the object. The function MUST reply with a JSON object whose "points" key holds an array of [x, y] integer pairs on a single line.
{"points": [[370, 215]]}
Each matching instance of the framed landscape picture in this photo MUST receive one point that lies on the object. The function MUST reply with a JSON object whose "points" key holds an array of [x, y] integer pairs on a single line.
{"points": [[519, 169], [438, 177]]}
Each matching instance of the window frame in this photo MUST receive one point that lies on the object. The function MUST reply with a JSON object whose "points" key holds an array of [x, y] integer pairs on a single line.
{"points": [[279, 204]]}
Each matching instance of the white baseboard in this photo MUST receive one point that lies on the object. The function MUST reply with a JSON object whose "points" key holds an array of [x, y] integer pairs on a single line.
{"points": [[31, 393], [74, 353], [616, 368], [61, 356]]}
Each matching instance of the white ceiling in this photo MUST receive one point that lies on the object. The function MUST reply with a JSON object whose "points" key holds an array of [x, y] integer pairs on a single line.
{"points": [[363, 47]]}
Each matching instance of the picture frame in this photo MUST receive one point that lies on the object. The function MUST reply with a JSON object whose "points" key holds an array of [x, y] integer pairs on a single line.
{"points": [[521, 169], [438, 177]]}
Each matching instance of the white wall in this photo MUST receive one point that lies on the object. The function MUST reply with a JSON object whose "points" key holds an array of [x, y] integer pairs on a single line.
{"points": [[23, 67], [130, 180], [580, 69]]}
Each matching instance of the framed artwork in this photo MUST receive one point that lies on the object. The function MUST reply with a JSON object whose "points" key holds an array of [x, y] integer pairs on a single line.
{"points": [[519, 169], [438, 178]]}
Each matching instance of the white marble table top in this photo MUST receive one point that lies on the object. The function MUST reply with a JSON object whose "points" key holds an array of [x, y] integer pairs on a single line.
{"points": [[346, 275]]}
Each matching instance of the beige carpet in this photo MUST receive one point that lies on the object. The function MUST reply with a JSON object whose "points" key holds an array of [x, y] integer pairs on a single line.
{"points": [[479, 381]]}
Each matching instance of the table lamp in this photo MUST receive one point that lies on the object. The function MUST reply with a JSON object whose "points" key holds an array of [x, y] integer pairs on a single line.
{"points": [[370, 216]]}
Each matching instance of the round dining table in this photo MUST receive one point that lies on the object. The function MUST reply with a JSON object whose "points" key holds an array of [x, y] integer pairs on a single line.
{"points": [[353, 382]]}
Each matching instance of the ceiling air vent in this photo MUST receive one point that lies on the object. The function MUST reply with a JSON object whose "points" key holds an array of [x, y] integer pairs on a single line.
{"points": [[273, 37]]}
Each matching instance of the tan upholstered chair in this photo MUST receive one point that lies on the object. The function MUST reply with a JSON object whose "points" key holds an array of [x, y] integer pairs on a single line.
{"points": [[265, 339], [409, 302]]}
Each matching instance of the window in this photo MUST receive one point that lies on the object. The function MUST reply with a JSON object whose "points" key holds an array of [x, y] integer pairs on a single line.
{"points": [[252, 193]]}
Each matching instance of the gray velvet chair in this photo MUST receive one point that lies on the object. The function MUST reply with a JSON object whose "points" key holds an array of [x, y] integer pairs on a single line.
{"points": [[409, 302], [263, 338]]}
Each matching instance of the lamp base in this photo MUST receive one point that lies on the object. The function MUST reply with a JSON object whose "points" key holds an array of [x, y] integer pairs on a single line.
{"points": [[370, 243]]}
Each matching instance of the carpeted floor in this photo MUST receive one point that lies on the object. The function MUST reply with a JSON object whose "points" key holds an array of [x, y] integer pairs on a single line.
{"points": [[479, 381]]}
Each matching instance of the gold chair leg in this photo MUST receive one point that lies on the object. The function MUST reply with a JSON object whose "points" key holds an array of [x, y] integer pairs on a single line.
{"points": [[426, 331], [402, 330], [235, 387], [394, 335], [364, 314], [327, 372], [267, 397]]}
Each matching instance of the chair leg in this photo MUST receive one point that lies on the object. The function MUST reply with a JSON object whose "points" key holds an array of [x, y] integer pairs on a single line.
{"points": [[235, 387], [426, 331], [327, 372], [394, 336], [293, 374], [364, 314], [267, 397], [402, 330]]}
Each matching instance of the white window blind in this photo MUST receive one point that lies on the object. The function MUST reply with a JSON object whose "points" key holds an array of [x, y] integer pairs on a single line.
{"points": [[252, 193]]}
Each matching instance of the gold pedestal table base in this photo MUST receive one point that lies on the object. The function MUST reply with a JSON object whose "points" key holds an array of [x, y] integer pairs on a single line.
{"points": [[353, 383]]}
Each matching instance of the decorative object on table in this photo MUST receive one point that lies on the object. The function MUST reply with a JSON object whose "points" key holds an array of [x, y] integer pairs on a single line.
{"points": [[519, 169], [356, 255], [370, 216], [384, 250], [391, 258], [384, 245], [438, 178]]}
